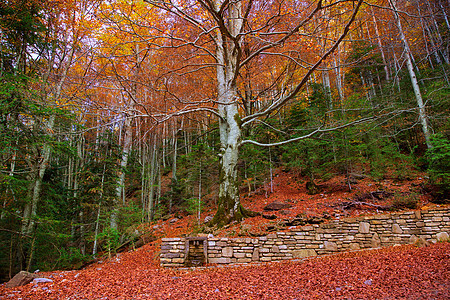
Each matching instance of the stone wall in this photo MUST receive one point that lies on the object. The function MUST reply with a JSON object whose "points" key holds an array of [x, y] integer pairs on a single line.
{"points": [[334, 236]]}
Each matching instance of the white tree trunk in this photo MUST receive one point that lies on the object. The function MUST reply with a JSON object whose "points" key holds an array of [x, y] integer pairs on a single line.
{"points": [[174, 166], [78, 166], [153, 170], [11, 174], [380, 46], [412, 75], [120, 188], [199, 193], [97, 221], [229, 206]]}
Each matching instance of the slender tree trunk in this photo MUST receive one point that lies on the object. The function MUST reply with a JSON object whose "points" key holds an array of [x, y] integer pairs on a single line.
{"points": [[444, 14], [78, 166], [11, 174], [380, 46], [160, 171], [174, 167], [397, 69], [199, 192], [271, 171], [30, 258], [144, 192], [97, 220], [339, 81], [127, 144], [412, 75], [327, 86], [151, 196], [164, 145], [29, 225], [120, 188]]}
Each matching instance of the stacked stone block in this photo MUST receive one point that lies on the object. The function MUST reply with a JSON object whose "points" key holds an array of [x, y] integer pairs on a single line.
{"points": [[334, 236], [173, 252]]}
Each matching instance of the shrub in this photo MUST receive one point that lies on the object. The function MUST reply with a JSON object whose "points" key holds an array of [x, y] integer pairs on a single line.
{"points": [[72, 258], [110, 238]]}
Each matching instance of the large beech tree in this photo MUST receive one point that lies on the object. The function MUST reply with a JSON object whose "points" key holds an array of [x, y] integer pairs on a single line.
{"points": [[233, 35]]}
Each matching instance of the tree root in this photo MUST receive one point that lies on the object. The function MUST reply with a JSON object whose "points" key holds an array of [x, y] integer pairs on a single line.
{"points": [[220, 219]]}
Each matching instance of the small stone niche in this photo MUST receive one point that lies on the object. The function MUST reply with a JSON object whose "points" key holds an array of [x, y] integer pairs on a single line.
{"points": [[196, 251]]}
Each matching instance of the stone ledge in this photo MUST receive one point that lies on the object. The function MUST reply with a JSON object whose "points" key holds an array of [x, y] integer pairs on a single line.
{"points": [[311, 240]]}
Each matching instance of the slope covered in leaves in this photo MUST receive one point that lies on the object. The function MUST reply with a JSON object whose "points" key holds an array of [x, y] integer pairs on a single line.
{"points": [[289, 188], [403, 272]]}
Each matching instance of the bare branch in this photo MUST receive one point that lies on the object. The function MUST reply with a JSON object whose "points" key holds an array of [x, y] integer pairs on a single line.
{"points": [[283, 39], [277, 104], [317, 131]]}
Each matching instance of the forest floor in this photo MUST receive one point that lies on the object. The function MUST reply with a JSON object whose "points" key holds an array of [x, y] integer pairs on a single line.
{"points": [[401, 272]]}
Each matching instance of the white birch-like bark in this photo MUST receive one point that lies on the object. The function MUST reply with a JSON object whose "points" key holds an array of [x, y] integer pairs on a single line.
{"points": [[78, 166], [144, 191], [120, 187], [97, 220], [380, 46], [174, 164], [422, 112], [199, 200], [229, 206], [151, 195], [11, 174], [338, 72], [444, 14], [160, 171]]}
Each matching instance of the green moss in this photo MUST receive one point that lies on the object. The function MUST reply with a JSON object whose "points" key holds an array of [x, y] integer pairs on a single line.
{"points": [[238, 120], [223, 217]]}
